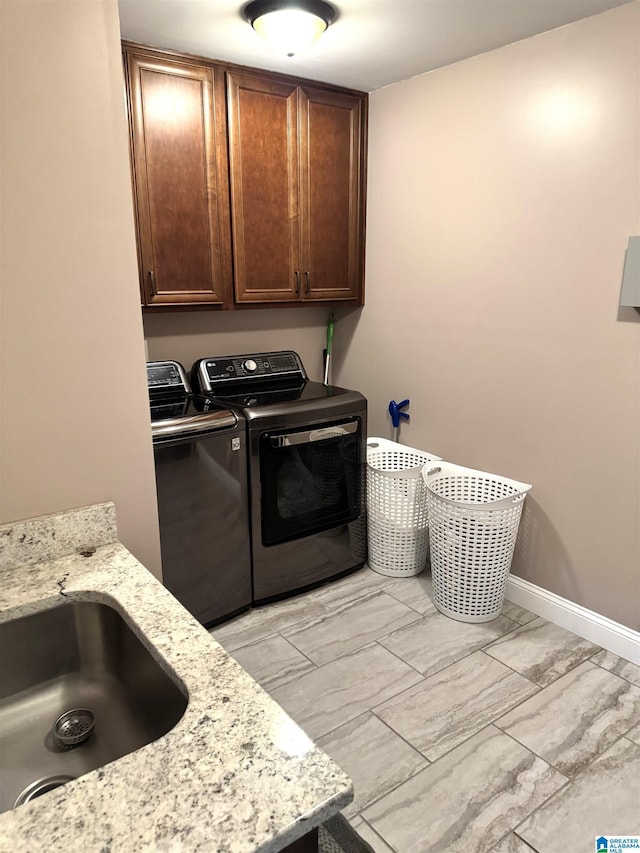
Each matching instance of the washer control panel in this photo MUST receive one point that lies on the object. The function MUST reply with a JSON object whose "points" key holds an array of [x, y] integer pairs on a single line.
{"points": [[209, 373], [166, 376]]}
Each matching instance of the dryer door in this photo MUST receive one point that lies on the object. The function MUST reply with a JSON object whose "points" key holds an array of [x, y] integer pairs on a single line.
{"points": [[309, 479]]}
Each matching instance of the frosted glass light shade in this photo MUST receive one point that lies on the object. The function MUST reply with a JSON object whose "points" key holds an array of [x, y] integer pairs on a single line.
{"points": [[289, 31]]}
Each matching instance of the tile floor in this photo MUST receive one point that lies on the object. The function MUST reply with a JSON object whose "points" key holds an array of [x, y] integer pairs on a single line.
{"points": [[508, 736]]}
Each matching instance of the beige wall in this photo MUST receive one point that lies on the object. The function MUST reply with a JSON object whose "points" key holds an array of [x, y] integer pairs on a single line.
{"points": [[74, 417], [502, 191], [187, 337]]}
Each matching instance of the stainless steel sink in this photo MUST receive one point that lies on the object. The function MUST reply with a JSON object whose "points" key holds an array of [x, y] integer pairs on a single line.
{"points": [[79, 656]]}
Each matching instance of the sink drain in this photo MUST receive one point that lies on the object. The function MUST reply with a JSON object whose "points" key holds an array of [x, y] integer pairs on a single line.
{"points": [[42, 786], [73, 727]]}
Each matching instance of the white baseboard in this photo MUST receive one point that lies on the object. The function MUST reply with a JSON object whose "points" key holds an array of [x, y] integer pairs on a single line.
{"points": [[598, 629]]}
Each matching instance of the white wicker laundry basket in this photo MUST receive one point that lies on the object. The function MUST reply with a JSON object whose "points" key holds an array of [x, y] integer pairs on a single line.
{"points": [[397, 530], [473, 525]]}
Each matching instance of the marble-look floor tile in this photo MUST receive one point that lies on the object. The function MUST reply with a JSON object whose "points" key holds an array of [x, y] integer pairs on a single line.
{"points": [[265, 621], [511, 844], [375, 758], [350, 626], [517, 613], [447, 708], [634, 734], [272, 661], [618, 666], [339, 691], [436, 641], [360, 584], [576, 718], [603, 799], [467, 801], [369, 835], [416, 592], [541, 651]]}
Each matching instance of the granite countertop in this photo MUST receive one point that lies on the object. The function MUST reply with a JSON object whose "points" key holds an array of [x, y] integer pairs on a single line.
{"points": [[235, 773]]}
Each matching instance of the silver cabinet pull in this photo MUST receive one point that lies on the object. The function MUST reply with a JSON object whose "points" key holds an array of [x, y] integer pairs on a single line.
{"points": [[308, 277], [297, 275], [152, 279]]}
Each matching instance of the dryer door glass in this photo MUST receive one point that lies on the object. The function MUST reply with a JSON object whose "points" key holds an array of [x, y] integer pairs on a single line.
{"points": [[310, 479]]}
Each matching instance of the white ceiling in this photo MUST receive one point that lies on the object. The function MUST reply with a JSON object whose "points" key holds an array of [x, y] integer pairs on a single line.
{"points": [[371, 44]]}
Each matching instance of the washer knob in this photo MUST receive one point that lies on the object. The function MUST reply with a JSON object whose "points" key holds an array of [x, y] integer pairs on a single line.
{"points": [[250, 365]]}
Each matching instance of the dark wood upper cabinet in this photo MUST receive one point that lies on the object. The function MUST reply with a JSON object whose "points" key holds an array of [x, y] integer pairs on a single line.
{"points": [[249, 186], [331, 140], [264, 168], [296, 157], [180, 182]]}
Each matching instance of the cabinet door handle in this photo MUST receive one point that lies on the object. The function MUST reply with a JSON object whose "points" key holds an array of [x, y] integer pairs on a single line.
{"points": [[297, 275], [152, 279], [308, 278]]}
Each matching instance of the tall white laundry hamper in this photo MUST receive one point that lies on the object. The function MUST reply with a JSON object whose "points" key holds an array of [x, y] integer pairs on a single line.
{"points": [[397, 530], [473, 525]]}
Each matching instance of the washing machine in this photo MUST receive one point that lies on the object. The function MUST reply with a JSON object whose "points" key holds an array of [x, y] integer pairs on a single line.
{"points": [[200, 452]]}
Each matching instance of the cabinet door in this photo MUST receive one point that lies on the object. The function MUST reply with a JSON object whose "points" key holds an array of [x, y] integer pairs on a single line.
{"points": [[181, 194], [332, 139], [263, 155]]}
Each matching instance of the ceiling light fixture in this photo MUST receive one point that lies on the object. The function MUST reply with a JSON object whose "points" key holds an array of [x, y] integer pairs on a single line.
{"points": [[289, 26]]}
